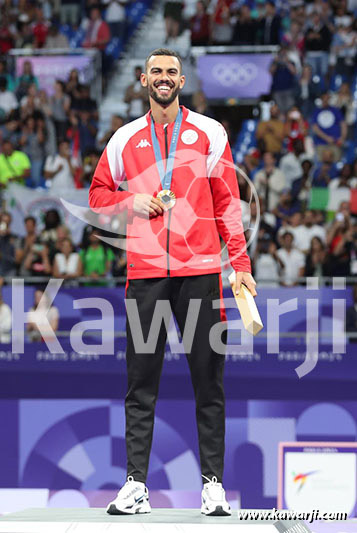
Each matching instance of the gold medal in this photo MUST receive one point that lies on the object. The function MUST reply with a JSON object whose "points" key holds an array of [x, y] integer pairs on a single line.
{"points": [[167, 197]]}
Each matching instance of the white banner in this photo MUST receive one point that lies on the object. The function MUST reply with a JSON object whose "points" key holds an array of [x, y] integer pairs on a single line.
{"points": [[22, 201]]}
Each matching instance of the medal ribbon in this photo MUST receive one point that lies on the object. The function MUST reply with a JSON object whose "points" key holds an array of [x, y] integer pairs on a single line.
{"points": [[166, 175]]}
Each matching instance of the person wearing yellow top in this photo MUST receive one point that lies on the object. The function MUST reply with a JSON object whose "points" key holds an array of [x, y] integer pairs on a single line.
{"points": [[14, 165]]}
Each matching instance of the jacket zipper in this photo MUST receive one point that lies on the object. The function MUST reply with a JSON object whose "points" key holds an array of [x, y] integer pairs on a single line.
{"points": [[169, 213]]}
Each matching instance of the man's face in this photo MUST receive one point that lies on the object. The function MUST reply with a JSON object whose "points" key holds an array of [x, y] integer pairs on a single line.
{"points": [[163, 79], [274, 111], [30, 225], [7, 149]]}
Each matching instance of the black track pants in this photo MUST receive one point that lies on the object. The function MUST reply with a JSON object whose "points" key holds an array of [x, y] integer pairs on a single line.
{"points": [[144, 370]]}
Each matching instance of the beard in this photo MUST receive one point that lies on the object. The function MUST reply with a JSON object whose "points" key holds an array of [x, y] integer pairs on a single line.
{"points": [[163, 100]]}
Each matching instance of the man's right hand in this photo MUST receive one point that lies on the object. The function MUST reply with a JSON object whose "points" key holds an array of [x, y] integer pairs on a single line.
{"points": [[146, 204]]}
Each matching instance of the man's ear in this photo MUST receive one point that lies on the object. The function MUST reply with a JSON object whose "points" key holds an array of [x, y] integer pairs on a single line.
{"points": [[144, 79], [182, 81]]}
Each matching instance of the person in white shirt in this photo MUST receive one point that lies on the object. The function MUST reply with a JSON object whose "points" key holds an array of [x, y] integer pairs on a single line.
{"points": [[270, 181], [290, 164], [67, 263], [136, 96], [304, 229], [39, 316], [267, 264], [59, 169], [5, 320], [292, 259], [8, 100]]}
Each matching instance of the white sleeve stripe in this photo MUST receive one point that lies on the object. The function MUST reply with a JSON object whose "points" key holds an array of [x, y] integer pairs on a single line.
{"points": [[117, 144], [216, 134]]}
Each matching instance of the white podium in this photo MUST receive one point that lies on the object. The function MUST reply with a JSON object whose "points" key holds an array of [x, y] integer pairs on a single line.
{"points": [[51, 520]]}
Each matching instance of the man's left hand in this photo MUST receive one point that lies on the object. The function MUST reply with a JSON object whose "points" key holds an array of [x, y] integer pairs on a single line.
{"points": [[248, 280]]}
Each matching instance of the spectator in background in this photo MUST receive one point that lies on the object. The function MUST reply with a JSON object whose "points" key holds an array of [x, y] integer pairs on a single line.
{"points": [[26, 242], [173, 17], [290, 164], [283, 86], [56, 39], [73, 86], [136, 97], [96, 258], [89, 165], [267, 263], [40, 29], [115, 17], [222, 29], [329, 128], [60, 104], [317, 260], [296, 127], [200, 25], [5, 318], [10, 84], [301, 187], [84, 102], [270, 133], [88, 130], [343, 50], [7, 37], [98, 32], [30, 102], [344, 101], [117, 121], [343, 180], [32, 141], [326, 170], [270, 181], [67, 263], [8, 247], [286, 207], [69, 12], [41, 320], [14, 165], [307, 90], [200, 104], [8, 101], [25, 80], [10, 130], [245, 29], [339, 241], [52, 221], [317, 44], [60, 169], [270, 25], [294, 39], [36, 262], [293, 261]]}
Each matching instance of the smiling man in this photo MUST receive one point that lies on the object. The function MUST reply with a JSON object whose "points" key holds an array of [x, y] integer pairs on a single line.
{"points": [[182, 194]]}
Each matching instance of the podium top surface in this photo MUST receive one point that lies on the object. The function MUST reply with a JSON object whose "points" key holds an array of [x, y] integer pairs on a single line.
{"points": [[157, 516]]}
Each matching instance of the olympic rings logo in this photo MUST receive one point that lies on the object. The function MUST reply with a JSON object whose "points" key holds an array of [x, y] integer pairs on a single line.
{"points": [[241, 74]]}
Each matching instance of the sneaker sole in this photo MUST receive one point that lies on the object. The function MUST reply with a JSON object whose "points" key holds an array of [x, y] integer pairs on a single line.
{"points": [[218, 511], [114, 511]]}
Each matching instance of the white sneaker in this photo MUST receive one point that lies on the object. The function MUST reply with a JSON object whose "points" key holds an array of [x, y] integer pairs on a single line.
{"points": [[133, 498], [214, 501]]}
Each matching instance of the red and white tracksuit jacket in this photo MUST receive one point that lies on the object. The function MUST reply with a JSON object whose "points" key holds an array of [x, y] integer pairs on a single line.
{"points": [[184, 241]]}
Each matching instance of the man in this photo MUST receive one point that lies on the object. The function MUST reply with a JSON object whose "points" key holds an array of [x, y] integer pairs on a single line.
{"points": [[5, 318], [8, 100], [270, 133], [14, 165], [98, 32], [290, 164], [60, 169], [270, 182], [293, 261], [270, 25], [136, 97], [283, 85], [173, 255], [9, 250], [329, 128]]}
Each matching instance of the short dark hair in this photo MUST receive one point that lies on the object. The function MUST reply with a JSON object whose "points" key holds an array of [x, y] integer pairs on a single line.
{"points": [[30, 218], [163, 52]]}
